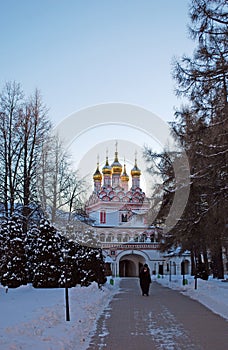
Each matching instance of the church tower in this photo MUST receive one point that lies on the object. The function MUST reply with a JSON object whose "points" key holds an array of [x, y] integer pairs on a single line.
{"points": [[116, 170], [124, 179], [107, 173], [97, 177], [135, 173]]}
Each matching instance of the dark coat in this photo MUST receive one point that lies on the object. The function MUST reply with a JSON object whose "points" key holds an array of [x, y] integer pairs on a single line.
{"points": [[145, 279]]}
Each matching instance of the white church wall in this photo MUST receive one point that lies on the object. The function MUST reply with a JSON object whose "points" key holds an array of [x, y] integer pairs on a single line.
{"points": [[112, 218]]}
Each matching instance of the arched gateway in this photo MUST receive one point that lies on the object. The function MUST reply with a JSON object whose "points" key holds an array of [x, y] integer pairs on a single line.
{"points": [[128, 263]]}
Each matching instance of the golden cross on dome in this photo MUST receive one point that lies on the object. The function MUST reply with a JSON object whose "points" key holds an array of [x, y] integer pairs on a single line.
{"points": [[106, 157]]}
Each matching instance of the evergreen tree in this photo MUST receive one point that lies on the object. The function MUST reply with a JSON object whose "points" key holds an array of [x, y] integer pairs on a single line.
{"points": [[70, 252], [30, 244], [56, 261], [91, 266], [201, 127], [12, 253], [46, 260]]}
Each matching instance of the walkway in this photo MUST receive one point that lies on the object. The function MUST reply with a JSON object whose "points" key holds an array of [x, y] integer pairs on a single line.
{"points": [[166, 320]]}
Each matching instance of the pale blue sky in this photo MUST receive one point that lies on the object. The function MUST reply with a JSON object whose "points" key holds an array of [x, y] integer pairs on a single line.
{"points": [[81, 53], [84, 52]]}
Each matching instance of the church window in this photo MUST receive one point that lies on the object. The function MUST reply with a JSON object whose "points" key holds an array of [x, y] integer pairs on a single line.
{"points": [[124, 218], [102, 237], [126, 238], [102, 217], [109, 238], [119, 238], [143, 238], [152, 237]]}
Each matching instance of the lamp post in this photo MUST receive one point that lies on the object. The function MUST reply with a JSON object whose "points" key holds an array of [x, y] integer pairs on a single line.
{"points": [[196, 271], [170, 272], [66, 287], [183, 271]]}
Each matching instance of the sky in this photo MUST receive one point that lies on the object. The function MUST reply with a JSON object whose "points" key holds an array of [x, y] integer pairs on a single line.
{"points": [[82, 53], [35, 318]]}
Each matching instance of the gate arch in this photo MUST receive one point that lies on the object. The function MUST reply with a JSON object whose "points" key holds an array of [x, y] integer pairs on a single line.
{"points": [[129, 262]]}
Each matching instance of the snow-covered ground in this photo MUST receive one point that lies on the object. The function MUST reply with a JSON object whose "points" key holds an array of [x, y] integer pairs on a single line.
{"points": [[35, 318], [212, 293]]}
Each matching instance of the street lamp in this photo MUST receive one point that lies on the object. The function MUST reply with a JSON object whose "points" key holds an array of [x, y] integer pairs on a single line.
{"points": [[196, 271], [66, 287], [170, 272], [183, 271]]}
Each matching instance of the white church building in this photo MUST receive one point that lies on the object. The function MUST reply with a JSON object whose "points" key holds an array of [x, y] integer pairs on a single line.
{"points": [[118, 210]]}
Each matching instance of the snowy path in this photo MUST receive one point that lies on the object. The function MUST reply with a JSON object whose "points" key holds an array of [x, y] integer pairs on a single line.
{"points": [[165, 320]]}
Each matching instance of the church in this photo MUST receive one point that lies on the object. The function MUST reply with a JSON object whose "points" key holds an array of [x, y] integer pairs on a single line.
{"points": [[118, 210]]}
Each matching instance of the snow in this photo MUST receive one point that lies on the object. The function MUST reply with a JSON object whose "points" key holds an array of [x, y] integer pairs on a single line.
{"points": [[212, 293], [33, 318]]}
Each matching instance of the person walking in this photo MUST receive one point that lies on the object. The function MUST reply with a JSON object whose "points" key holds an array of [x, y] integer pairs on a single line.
{"points": [[145, 279]]}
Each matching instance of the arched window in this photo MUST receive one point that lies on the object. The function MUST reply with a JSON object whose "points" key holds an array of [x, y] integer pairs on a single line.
{"points": [[102, 237], [119, 237], [136, 238], [152, 237], [126, 238], [143, 238], [124, 218], [109, 238]]}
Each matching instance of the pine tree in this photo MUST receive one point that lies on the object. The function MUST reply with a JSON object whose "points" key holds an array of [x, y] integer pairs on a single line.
{"points": [[30, 244], [201, 127], [12, 258], [70, 253], [46, 250], [91, 266]]}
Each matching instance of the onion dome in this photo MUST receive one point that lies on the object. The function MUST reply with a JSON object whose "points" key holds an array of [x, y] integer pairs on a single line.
{"points": [[124, 176], [107, 169], [116, 166], [97, 175], [135, 171]]}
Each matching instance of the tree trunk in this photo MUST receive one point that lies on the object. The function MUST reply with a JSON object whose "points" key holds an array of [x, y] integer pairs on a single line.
{"points": [[217, 264]]}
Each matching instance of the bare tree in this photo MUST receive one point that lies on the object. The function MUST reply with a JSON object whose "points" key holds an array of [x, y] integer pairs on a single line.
{"points": [[23, 126], [34, 128], [61, 190], [11, 109]]}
